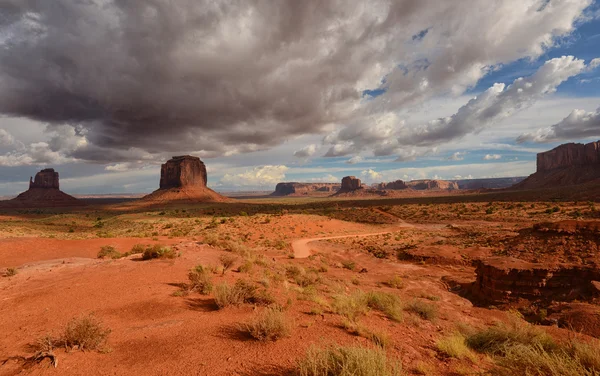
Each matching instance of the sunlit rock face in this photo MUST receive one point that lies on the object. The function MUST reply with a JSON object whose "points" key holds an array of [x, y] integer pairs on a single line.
{"points": [[183, 171]]}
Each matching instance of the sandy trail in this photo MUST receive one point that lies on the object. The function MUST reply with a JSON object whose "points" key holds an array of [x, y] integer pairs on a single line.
{"points": [[302, 249]]}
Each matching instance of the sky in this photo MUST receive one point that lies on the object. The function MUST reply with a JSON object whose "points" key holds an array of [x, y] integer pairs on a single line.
{"points": [[104, 91]]}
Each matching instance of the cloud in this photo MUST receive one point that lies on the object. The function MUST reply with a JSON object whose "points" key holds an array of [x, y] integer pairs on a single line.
{"points": [[264, 176], [387, 134], [328, 178], [139, 79], [371, 175], [457, 156], [489, 157], [354, 160], [6, 138], [579, 124], [307, 151]]}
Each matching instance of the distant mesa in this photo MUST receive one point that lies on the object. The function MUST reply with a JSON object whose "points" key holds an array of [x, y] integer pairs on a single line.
{"points": [[421, 185], [184, 178], [305, 189], [43, 192], [350, 183], [394, 185], [565, 165]]}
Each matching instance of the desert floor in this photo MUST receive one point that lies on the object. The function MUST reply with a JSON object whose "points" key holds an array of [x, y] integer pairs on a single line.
{"points": [[313, 260]]}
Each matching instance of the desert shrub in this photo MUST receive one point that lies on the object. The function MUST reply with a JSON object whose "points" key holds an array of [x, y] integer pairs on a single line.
{"points": [[241, 292], [496, 339], [424, 310], [137, 249], [10, 272], [246, 267], [388, 304], [268, 325], [521, 348], [396, 282], [85, 333], [347, 361], [308, 279], [352, 307], [348, 264], [227, 262], [294, 271], [108, 251], [158, 251], [200, 280], [455, 346]]}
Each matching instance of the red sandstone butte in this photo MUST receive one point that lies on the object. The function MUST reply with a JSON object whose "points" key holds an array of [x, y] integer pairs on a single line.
{"points": [[299, 189], [43, 192], [183, 179], [350, 183], [565, 165]]}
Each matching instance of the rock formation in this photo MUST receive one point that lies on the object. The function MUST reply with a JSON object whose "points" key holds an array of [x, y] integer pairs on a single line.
{"points": [[489, 183], [502, 280], [394, 185], [350, 183], [46, 178], [43, 192], [420, 185], [304, 189], [565, 165], [183, 178], [183, 171]]}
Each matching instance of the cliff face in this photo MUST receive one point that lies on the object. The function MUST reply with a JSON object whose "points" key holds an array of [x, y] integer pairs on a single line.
{"points": [[420, 185], [294, 188], [565, 165], [183, 171], [394, 185], [351, 183], [46, 179], [569, 155]]}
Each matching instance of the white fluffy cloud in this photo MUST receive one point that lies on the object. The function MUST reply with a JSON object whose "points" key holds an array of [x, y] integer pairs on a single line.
{"points": [[6, 138], [354, 160], [457, 156], [387, 134], [579, 124], [264, 176], [490, 157], [371, 175], [307, 151]]}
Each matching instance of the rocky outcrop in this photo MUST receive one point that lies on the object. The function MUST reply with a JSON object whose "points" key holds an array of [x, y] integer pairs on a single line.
{"points": [[304, 189], [565, 165], [394, 185], [502, 280], [183, 179], [43, 192], [183, 171], [350, 183], [46, 179], [489, 183], [569, 155], [421, 185]]}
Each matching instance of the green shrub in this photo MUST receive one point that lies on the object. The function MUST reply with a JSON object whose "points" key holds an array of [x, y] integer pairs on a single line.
{"points": [[200, 280], [137, 249], [347, 361], [424, 310], [158, 251], [352, 307], [108, 251], [268, 325]]}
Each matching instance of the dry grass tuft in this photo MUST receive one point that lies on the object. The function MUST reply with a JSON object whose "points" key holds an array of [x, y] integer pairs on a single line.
{"points": [[85, 333], [268, 325], [347, 361], [200, 280], [108, 251], [227, 261], [158, 251], [425, 310], [455, 346]]}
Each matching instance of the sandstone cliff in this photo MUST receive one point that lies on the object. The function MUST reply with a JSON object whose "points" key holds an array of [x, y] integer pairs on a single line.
{"points": [[304, 189], [43, 192], [394, 185], [350, 183], [565, 165], [183, 179], [420, 185]]}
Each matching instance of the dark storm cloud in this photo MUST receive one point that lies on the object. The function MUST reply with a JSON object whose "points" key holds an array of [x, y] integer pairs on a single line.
{"points": [[138, 77]]}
